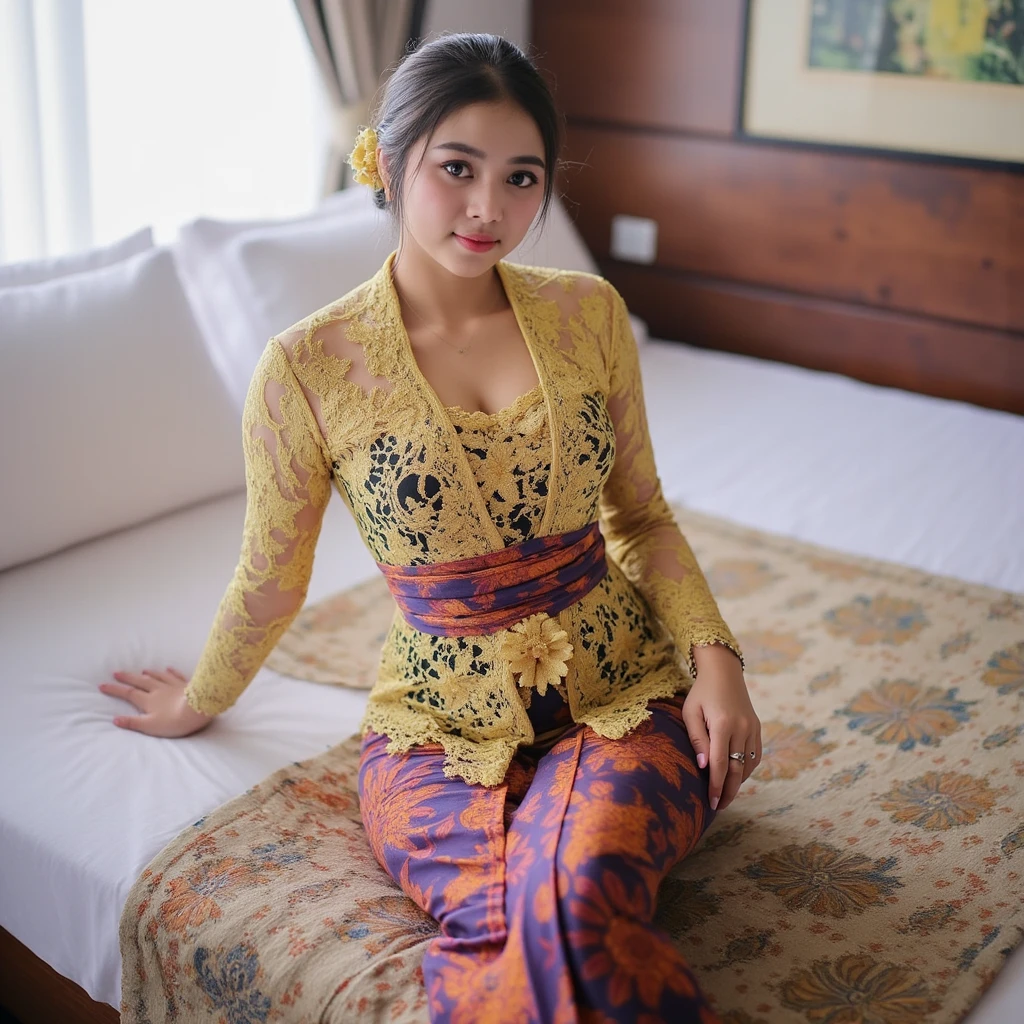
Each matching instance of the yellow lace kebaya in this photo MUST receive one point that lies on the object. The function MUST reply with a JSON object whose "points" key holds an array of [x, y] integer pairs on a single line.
{"points": [[421, 483]]}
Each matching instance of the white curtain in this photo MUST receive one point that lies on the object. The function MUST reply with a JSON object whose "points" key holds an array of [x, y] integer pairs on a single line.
{"points": [[45, 187], [355, 43]]}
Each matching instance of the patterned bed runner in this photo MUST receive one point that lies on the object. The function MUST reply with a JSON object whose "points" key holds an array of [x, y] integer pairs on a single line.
{"points": [[870, 869]]}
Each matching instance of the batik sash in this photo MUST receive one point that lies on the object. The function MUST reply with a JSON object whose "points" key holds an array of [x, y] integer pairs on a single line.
{"points": [[486, 593]]}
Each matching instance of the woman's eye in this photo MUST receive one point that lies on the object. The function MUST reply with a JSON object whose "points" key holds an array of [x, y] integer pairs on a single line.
{"points": [[456, 168], [523, 179]]}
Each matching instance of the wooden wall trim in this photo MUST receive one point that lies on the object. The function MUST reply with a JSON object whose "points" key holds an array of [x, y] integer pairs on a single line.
{"points": [[918, 238], [592, 48], [36, 994], [984, 367]]}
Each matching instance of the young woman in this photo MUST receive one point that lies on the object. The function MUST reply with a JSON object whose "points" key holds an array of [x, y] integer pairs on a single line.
{"points": [[530, 768]]}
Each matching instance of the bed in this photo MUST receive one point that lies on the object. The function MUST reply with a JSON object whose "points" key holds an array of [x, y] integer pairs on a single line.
{"points": [[930, 483], [921, 479]]}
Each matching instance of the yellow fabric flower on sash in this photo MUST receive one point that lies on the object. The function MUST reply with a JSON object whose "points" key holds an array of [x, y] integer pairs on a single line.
{"points": [[363, 160], [538, 649]]}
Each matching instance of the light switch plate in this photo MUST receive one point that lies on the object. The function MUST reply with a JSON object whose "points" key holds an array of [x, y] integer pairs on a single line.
{"points": [[634, 238]]}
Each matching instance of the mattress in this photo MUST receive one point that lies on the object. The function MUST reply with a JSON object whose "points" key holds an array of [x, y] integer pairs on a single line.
{"points": [[929, 483]]}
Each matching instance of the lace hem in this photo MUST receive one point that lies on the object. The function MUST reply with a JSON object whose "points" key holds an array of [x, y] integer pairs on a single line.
{"points": [[486, 762], [706, 636], [616, 720], [204, 702], [483, 763]]}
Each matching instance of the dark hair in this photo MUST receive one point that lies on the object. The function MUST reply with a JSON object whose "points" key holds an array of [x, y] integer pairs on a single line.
{"points": [[447, 74]]}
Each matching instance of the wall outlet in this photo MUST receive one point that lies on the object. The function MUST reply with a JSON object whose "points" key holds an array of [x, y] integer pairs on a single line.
{"points": [[634, 239]]}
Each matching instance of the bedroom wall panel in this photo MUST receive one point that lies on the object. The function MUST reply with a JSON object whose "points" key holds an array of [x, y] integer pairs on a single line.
{"points": [[921, 354], [901, 270], [661, 63], [916, 237]]}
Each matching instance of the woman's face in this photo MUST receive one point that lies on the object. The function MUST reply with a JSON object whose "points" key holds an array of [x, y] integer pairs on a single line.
{"points": [[473, 188]]}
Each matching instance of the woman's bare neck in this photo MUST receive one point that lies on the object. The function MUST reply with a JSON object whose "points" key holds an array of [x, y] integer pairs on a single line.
{"points": [[441, 298]]}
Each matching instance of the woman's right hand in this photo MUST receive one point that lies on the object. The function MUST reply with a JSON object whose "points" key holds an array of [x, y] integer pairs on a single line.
{"points": [[160, 696]]}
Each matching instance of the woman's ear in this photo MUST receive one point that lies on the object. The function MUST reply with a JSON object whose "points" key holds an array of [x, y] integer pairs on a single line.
{"points": [[382, 170]]}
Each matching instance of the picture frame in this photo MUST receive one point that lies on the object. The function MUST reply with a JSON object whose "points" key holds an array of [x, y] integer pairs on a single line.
{"points": [[807, 78]]}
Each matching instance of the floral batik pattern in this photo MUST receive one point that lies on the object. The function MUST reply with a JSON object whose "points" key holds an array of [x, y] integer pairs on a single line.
{"points": [[545, 888], [871, 869]]}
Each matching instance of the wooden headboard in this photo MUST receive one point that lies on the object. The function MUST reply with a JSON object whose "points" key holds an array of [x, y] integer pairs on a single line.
{"points": [[902, 271]]}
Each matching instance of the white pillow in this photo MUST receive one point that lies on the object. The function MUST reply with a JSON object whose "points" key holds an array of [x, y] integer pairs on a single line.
{"points": [[248, 281], [285, 275], [37, 271], [234, 315], [110, 410]]}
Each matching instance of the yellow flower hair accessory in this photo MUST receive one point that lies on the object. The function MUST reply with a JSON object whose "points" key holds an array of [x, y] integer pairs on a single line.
{"points": [[538, 649], [363, 160]]}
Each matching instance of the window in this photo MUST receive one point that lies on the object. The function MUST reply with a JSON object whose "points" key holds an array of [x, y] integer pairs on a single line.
{"points": [[190, 108]]}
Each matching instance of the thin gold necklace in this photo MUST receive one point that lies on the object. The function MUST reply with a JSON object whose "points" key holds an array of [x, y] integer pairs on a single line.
{"points": [[422, 320], [419, 316]]}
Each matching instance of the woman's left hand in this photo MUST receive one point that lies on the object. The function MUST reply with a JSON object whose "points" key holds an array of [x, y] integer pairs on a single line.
{"points": [[720, 720]]}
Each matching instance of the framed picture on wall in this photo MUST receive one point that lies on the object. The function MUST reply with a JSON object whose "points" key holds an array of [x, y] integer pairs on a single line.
{"points": [[944, 77]]}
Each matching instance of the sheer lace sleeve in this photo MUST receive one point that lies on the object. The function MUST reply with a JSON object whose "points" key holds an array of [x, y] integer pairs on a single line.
{"points": [[640, 531], [288, 485]]}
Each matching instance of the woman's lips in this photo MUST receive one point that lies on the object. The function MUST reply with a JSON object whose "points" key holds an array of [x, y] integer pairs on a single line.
{"points": [[476, 244]]}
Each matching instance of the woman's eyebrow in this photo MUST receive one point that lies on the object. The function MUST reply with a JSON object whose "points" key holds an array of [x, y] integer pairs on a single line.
{"points": [[462, 147]]}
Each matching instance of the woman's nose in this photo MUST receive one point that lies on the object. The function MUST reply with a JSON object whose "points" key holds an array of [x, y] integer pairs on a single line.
{"points": [[485, 202]]}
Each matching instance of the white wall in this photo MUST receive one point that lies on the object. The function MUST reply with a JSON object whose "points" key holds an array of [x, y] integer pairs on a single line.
{"points": [[509, 18]]}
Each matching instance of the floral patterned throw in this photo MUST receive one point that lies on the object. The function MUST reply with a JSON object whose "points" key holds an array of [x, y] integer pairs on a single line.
{"points": [[870, 870]]}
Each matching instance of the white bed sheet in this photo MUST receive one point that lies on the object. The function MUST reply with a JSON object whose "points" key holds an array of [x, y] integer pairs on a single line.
{"points": [[85, 806], [925, 482]]}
